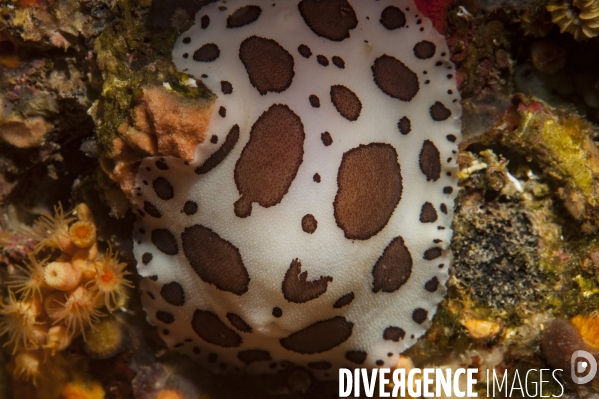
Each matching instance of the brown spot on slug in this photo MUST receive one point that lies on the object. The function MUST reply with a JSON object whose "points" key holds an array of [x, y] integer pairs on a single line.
{"points": [[430, 161], [268, 64], [369, 188], [346, 102], [297, 289], [393, 268], [243, 16], [270, 160], [331, 19], [211, 329], [394, 78], [319, 337], [215, 260]]}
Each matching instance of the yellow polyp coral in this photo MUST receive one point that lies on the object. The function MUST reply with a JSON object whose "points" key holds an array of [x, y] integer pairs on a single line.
{"points": [[578, 17], [30, 283], [82, 234], [79, 311], [110, 280], [169, 394], [64, 294], [62, 276], [52, 231], [58, 339], [19, 322], [79, 389], [27, 365], [588, 327]]}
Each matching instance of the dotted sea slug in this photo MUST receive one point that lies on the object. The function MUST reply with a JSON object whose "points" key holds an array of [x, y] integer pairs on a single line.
{"points": [[313, 226]]}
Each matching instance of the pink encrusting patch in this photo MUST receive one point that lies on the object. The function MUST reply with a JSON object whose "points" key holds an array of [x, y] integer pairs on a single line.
{"points": [[436, 11]]}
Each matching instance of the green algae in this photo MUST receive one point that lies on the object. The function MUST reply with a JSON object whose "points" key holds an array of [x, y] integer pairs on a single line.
{"points": [[561, 143], [130, 56], [576, 291]]}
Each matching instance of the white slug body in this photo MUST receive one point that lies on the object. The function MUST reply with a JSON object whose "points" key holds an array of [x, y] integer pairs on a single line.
{"points": [[313, 227]]}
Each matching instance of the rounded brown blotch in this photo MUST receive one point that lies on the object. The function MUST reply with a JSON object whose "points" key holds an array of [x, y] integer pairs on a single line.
{"points": [[432, 284], [173, 293], [205, 21], [211, 329], [309, 224], [207, 53], [146, 258], [369, 188], [268, 65], [331, 19], [443, 208], [165, 317], [439, 112], [322, 60], [338, 62], [326, 138], [253, 355], [237, 322], [222, 111], [304, 51], [424, 50], [394, 78], [165, 241], [432, 253], [357, 357], [190, 208], [226, 87], [404, 125], [430, 161], [151, 209], [163, 189], [270, 160], [428, 214], [393, 268], [314, 101], [319, 337], [344, 300], [161, 164], [393, 334], [393, 18], [215, 260], [419, 315], [346, 102], [277, 312], [220, 154], [316, 177], [243, 16], [296, 287]]}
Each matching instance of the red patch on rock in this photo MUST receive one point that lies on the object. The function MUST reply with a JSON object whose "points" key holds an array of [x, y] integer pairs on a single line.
{"points": [[436, 10]]}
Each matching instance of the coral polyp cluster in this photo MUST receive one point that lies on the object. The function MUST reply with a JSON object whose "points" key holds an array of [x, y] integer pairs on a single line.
{"points": [[62, 291], [578, 17]]}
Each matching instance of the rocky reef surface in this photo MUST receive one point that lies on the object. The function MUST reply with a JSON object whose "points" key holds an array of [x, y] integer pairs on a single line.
{"points": [[82, 102]]}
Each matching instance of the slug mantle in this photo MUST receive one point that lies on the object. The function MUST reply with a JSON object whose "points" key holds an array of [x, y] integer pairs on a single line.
{"points": [[313, 226]]}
